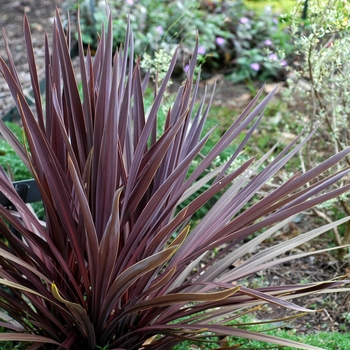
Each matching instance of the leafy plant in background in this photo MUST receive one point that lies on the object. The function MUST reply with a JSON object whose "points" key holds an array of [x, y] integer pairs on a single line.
{"points": [[156, 24], [233, 39], [116, 266], [323, 47], [259, 47]]}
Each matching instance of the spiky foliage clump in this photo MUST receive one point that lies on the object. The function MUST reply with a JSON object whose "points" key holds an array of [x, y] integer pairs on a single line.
{"points": [[115, 264]]}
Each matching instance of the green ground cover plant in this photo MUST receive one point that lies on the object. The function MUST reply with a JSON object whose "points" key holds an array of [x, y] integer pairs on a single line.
{"points": [[116, 265], [233, 39]]}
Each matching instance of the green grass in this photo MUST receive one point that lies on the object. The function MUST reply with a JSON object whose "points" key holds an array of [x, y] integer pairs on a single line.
{"points": [[9, 345], [9, 159], [277, 6], [325, 340], [14, 165]]}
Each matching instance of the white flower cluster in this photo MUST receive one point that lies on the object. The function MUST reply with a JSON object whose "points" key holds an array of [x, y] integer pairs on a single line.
{"points": [[158, 65]]}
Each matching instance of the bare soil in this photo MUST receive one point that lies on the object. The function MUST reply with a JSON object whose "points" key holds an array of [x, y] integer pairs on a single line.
{"points": [[334, 307], [40, 14]]}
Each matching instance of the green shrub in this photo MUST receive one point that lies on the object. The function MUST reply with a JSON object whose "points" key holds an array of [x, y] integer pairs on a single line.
{"points": [[322, 46]]}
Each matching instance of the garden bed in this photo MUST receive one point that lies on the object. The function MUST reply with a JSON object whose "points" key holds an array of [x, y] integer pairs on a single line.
{"points": [[231, 96]]}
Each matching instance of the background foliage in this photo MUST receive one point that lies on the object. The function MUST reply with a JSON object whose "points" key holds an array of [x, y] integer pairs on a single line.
{"points": [[232, 38]]}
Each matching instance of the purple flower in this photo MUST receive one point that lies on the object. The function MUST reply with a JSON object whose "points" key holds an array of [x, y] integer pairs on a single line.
{"points": [[283, 63], [220, 41], [273, 57], [160, 30], [186, 68], [268, 42], [201, 50], [255, 66], [130, 2], [244, 20], [275, 20]]}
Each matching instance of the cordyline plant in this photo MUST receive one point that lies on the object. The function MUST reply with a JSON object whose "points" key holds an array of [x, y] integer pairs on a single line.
{"points": [[116, 264]]}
